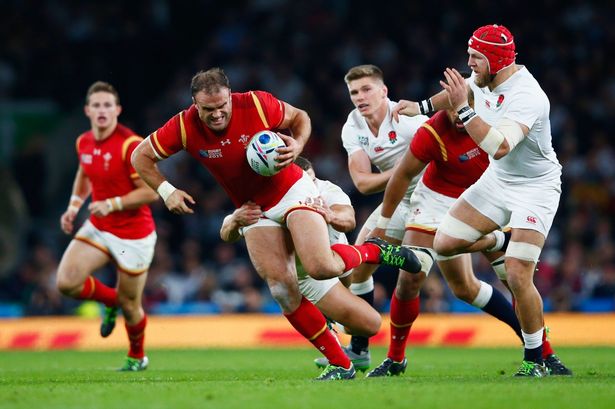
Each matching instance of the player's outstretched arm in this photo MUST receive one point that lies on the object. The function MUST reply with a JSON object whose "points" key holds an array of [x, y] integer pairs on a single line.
{"points": [[144, 161], [412, 108], [366, 181], [249, 213]]}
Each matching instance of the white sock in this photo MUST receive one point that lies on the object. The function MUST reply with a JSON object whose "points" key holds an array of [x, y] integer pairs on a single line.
{"points": [[532, 341], [362, 288]]}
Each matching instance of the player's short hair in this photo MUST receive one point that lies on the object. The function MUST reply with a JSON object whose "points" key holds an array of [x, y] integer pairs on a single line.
{"points": [[362, 71], [304, 163], [102, 86], [210, 81]]}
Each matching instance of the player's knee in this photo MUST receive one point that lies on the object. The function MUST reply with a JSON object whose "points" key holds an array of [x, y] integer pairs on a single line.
{"points": [[321, 271], [372, 323], [409, 285], [444, 245], [285, 293], [520, 273], [453, 235], [67, 286], [463, 291]]}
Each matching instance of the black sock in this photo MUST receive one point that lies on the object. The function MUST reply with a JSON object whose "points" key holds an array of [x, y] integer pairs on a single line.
{"points": [[360, 343], [533, 355], [500, 308]]}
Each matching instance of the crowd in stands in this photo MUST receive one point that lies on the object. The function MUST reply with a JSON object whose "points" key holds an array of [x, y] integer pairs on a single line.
{"points": [[299, 51]]}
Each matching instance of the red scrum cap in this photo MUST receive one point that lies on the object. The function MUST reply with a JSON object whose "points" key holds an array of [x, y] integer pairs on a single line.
{"points": [[497, 44]]}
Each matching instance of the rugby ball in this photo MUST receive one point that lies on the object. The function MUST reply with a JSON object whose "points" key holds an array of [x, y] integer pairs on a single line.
{"points": [[261, 152]]}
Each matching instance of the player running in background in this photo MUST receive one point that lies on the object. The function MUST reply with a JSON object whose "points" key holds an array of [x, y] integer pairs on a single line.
{"points": [[521, 187], [120, 228], [370, 137], [330, 296], [453, 162], [215, 130]]}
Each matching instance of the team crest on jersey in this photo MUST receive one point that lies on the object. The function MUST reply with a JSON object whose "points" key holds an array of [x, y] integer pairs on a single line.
{"points": [[363, 140], [500, 100], [392, 137], [243, 139], [86, 158], [210, 153], [107, 157]]}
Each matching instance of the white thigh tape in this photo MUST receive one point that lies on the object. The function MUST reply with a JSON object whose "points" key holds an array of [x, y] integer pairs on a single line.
{"points": [[523, 251], [458, 229]]}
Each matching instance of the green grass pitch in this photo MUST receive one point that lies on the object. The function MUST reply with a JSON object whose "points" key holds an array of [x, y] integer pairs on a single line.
{"points": [[281, 378]]}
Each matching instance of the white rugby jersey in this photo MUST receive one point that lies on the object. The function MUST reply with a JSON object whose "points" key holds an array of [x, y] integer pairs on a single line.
{"points": [[520, 99], [391, 144], [332, 194]]}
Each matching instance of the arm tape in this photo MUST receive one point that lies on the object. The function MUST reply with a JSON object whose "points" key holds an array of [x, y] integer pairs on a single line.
{"points": [[492, 141], [165, 190], [512, 132]]}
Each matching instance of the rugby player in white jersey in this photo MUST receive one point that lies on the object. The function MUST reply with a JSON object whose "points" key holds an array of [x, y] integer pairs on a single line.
{"points": [[330, 296], [371, 137], [520, 188]]}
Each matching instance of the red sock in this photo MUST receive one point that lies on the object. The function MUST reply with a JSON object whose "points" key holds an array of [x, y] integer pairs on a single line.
{"points": [[93, 289], [136, 337], [353, 256], [546, 345], [310, 323], [403, 314]]}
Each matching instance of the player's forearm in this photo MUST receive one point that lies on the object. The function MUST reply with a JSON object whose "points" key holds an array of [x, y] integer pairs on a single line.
{"points": [[440, 101], [140, 196], [301, 127], [370, 183], [144, 162], [394, 193], [343, 219], [229, 231]]}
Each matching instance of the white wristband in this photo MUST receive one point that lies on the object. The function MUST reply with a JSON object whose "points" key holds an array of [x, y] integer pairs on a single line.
{"points": [[382, 222], [165, 190]]}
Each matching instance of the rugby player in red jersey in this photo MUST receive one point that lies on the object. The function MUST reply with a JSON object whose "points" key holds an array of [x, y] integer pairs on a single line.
{"points": [[215, 130], [120, 228]]}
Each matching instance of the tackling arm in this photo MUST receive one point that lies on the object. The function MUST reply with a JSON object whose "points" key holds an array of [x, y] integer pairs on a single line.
{"points": [[300, 126], [396, 189]]}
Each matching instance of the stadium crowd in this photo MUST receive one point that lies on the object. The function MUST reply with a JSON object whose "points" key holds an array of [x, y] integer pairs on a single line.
{"points": [[299, 51]]}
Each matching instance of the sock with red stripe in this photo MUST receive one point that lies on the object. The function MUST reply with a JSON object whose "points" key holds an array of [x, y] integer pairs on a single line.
{"points": [[354, 255], [136, 337], [93, 289], [309, 322], [403, 315]]}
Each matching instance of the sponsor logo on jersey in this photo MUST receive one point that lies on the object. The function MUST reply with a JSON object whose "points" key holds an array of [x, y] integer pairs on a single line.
{"points": [[392, 137], [225, 142], [469, 154], [96, 152], [378, 149], [210, 153], [531, 219]]}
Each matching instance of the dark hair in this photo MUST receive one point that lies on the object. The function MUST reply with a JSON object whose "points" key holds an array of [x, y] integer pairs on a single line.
{"points": [[304, 163], [210, 81], [101, 86], [361, 71]]}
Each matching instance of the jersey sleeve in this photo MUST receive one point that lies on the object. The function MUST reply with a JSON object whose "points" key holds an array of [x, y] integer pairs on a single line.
{"points": [[526, 107], [332, 194], [272, 109], [167, 140], [422, 145], [350, 139], [129, 145]]}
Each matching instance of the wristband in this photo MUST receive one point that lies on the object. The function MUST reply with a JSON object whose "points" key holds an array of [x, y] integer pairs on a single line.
{"points": [[425, 106], [165, 189], [75, 203], [382, 222], [73, 208], [466, 114], [115, 204]]}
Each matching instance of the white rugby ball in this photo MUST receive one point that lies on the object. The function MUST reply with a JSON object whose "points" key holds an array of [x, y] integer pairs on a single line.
{"points": [[261, 152]]}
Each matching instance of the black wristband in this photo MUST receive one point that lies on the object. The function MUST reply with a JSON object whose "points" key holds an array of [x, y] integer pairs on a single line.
{"points": [[425, 106]]}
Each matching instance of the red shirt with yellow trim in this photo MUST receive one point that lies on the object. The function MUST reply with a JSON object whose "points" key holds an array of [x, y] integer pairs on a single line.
{"points": [[107, 165], [224, 153], [454, 160]]}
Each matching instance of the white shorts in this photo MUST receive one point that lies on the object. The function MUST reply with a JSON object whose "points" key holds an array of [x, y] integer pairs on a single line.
{"points": [[314, 290], [427, 209], [293, 199], [397, 225], [521, 206], [131, 256]]}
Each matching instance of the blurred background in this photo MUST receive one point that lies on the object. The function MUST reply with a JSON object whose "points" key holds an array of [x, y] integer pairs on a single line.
{"points": [[52, 50]]}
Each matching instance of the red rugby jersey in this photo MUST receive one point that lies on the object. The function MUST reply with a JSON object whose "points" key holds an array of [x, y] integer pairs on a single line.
{"points": [[454, 160], [107, 164], [224, 153]]}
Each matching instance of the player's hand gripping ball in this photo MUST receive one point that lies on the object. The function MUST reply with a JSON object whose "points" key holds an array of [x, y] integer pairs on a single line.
{"points": [[261, 152]]}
